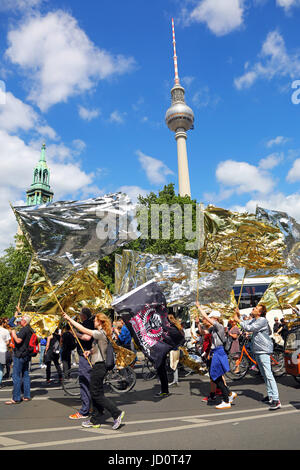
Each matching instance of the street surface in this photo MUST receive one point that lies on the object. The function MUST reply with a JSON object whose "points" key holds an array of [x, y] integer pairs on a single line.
{"points": [[179, 422]]}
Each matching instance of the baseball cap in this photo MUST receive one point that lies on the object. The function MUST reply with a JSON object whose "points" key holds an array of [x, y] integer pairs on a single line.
{"points": [[214, 314]]}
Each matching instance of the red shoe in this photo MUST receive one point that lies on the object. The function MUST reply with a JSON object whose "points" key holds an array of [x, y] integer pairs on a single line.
{"points": [[218, 391]]}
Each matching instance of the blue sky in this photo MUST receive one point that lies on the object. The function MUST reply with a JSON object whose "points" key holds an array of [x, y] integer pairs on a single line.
{"points": [[92, 79]]}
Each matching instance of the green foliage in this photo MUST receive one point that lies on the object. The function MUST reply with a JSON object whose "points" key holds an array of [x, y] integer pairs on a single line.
{"points": [[13, 269], [158, 246]]}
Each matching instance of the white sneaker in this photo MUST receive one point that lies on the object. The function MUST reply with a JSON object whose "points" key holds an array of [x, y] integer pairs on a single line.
{"points": [[232, 397], [223, 406]]}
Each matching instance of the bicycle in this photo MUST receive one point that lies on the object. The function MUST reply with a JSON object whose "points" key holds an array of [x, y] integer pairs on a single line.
{"points": [[119, 380], [242, 361]]}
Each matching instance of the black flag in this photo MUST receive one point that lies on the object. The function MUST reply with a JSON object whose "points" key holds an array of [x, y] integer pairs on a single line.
{"points": [[145, 314]]}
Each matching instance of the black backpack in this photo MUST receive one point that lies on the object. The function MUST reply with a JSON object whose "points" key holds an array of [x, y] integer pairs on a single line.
{"points": [[110, 360]]}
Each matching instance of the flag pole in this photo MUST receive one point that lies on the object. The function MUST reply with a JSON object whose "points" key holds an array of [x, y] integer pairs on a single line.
{"points": [[46, 276], [241, 290], [201, 244]]}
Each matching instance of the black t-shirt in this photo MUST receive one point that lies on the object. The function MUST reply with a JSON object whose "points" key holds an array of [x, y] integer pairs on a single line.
{"points": [[87, 345], [68, 342], [21, 349]]}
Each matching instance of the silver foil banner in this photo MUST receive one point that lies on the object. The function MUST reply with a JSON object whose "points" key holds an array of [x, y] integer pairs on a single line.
{"points": [[176, 276], [67, 236], [291, 232]]}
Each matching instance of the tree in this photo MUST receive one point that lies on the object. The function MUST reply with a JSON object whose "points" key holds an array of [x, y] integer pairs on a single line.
{"points": [[13, 269], [169, 246]]}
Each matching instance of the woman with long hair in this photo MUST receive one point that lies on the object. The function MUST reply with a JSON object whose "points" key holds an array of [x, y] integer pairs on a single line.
{"points": [[101, 335]]}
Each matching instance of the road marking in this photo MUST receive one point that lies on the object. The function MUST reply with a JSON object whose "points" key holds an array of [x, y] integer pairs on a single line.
{"points": [[6, 441], [126, 435]]}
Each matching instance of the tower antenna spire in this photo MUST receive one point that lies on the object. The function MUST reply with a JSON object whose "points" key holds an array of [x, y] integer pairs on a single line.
{"points": [[175, 55]]}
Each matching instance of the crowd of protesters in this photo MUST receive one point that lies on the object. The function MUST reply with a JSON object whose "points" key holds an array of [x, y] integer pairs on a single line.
{"points": [[93, 334]]}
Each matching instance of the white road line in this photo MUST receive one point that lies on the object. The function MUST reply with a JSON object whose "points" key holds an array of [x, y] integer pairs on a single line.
{"points": [[121, 435], [6, 441]]}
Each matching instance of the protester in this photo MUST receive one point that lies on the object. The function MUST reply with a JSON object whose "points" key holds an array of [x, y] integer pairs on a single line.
{"points": [[21, 361], [262, 347], [122, 334], [218, 364], [283, 330], [101, 335], [52, 355], [43, 343], [84, 368], [276, 325], [68, 344], [4, 343], [175, 353]]}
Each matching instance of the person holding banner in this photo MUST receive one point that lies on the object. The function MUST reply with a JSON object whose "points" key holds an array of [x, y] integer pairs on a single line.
{"points": [[219, 364], [101, 335]]}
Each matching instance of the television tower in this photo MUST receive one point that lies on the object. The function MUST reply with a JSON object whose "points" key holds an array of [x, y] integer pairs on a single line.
{"points": [[179, 119]]}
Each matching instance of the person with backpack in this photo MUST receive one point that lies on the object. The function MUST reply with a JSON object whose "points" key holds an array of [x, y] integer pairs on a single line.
{"points": [[21, 360], [218, 360], [52, 355], [101, 345]]}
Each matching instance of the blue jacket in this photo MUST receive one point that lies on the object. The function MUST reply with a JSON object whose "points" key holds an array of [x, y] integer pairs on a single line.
{"points": [[124, 336]]}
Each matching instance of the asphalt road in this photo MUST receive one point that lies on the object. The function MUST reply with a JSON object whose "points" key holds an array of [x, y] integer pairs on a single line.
{"points": [[181, 422]]}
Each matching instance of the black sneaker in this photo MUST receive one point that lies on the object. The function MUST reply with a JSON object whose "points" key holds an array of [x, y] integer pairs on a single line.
{"points": [[275, 405], [267, 400]]}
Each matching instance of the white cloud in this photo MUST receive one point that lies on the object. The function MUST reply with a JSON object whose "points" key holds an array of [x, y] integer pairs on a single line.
{"points": [[22, 5], [205, 98], [155, 169], [288, 4], [294, 173], [279, 140], [278, 202], [117, 116], [243, 177], [88, 114], [17, 162], [275, 61], [220, 16], [133, 192], [16, 115], [58, 58], [271, 161]]}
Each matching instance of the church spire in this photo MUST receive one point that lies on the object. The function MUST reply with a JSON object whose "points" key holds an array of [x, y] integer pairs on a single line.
{"points": [[40, 191]]}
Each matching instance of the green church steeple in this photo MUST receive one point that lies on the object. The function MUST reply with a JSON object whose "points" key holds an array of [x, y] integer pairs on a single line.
{"points": [[40, 191]]}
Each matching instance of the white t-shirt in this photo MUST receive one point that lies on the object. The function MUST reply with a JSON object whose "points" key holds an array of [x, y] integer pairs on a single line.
{"points": [[4, 337]]}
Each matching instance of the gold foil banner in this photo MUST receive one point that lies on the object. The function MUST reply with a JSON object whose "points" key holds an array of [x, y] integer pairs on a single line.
{"points": [[43, 325], [235, 240], [176, 276], [188, 361], [124, 357], [82, 289], [227, 309], [284, 290]]}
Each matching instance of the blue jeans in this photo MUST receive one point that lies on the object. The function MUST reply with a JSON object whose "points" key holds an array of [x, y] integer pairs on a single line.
{"points": [[1, 372], [42, 353], [84, 372], [264, 364], [21, 374]]}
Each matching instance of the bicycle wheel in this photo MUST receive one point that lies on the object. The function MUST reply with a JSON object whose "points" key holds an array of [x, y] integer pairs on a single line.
{"points": [[71, 384], [277, 363], [148, 370], [237, 372], [121, 380]]}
